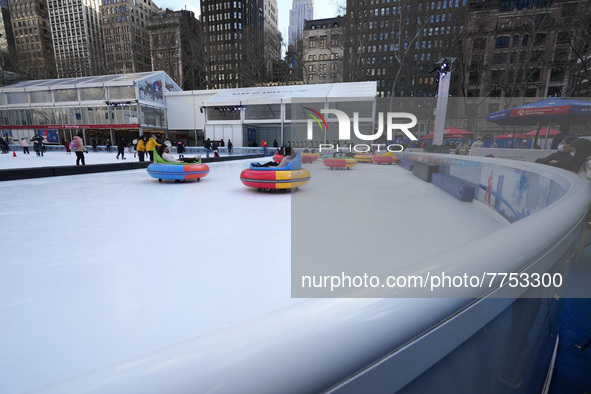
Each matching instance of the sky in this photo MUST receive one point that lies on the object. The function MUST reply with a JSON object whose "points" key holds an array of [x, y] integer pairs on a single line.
{"points": [[323, 9]]}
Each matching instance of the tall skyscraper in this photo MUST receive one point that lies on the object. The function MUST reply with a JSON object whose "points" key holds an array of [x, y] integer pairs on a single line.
{"points": [[77, 41], [234, 32], [272, 37], [301, 11], [125, 34], [32, 37]]}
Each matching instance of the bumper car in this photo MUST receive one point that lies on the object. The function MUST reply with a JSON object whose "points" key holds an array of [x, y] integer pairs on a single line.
{"points": [[291, 176], [386, 158], [178, 172], [340, 162]]}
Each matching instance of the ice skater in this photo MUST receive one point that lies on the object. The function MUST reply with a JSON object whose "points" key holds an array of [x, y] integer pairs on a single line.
{"points": [[67, 146], [79, 148], [180, 149], [38, 145], [121, 149], [25, 146]]}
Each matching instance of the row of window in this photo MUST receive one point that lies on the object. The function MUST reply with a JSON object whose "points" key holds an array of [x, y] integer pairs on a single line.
{"points": [[69, 40], [30, 22], [507, 76], [320, 42], [503, 41], [322, 77], [233, 66], [501, 58], [324, 56], [220, 6], [225, 36], [64, 11], [322, 67], [23, 32], [225, 26]]}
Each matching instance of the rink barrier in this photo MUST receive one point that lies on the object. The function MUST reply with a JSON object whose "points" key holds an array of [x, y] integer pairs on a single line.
{"points": [[457, 187], [189, 150], [44, 172], [406, 164], [382, 345], [424, 170]]}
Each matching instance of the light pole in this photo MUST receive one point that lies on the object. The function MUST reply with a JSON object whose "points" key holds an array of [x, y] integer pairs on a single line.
{"points": [[443, 68]]}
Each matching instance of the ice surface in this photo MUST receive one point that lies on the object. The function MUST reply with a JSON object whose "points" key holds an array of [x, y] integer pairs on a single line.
{"points": [[102, 267]]}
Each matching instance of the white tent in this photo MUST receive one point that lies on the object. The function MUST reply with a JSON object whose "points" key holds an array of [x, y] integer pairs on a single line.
{"points": [[284, 94]]}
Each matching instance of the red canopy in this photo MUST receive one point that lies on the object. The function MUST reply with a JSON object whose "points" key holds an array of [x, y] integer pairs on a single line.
{"points": [[453, 130], [450, 132], [542, 132], [511, 135]]}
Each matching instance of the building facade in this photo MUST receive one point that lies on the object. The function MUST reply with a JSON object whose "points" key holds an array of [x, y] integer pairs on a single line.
{"points": [[7, 48], [126, 36], [301, 11], [323, 50], [526, 48], [34, 55], [77, 39], [234, 45], [176, 44], [272, 50], [398, 43]]}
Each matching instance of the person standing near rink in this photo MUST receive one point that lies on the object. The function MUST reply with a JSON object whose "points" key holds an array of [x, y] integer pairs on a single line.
{"points": [[79, 149], [37, 145], [230, 146], [180, 149], [67, 146], [25, 146], [207, 146], [151, 145], [121, 149], [141, 147]]}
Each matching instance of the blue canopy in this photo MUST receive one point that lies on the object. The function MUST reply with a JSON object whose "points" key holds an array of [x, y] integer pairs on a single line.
{"points": [[552, 109]]}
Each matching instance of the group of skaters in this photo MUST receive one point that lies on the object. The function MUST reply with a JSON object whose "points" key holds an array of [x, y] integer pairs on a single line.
{"points": [[213, 147], [37, 141]]}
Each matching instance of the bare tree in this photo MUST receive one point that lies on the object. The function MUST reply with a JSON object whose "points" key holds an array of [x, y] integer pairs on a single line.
{"points": [[575, 34]]}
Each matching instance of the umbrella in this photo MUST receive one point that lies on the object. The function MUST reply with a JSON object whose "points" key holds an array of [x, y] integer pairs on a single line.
{"points": [[542, 131], [545, 111], [450, 132], [552, 109], [511, 135], [454, 131]]}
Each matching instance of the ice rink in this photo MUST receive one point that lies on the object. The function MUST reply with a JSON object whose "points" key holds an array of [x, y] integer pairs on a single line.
{"points": [[100, 268]]}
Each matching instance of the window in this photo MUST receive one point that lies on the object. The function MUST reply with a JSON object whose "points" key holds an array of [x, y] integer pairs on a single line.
{"points": [[502, 42]]}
